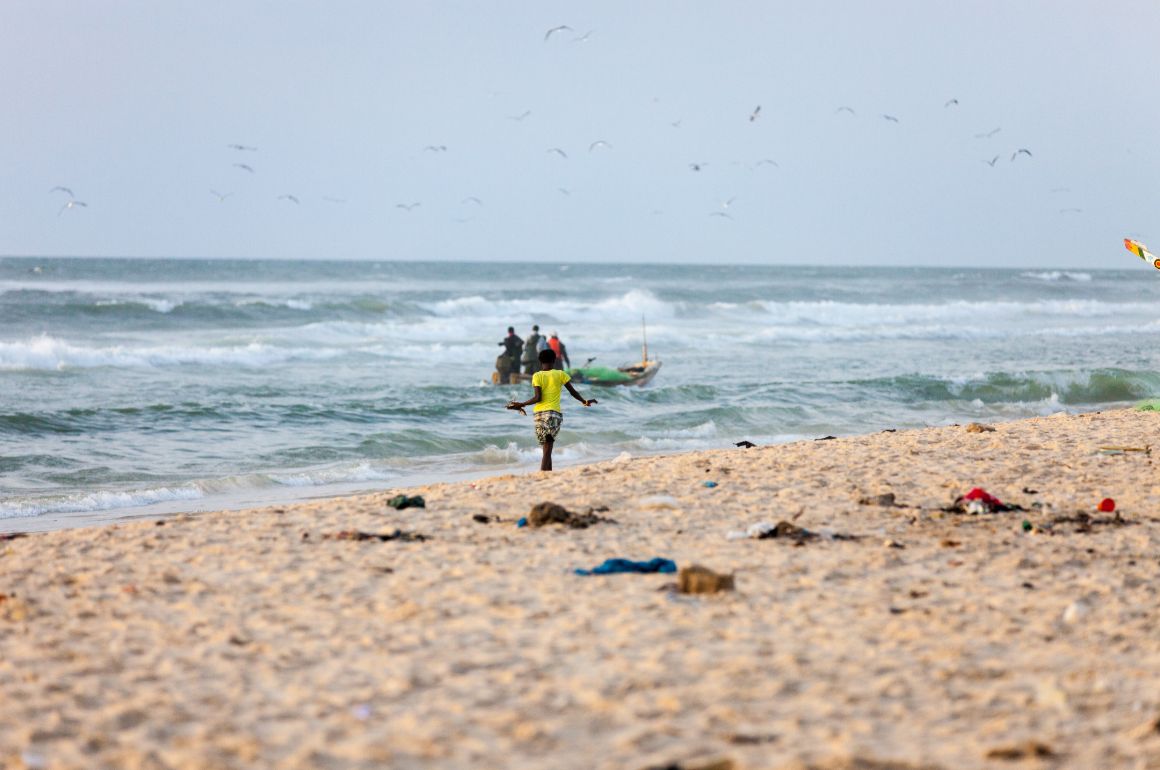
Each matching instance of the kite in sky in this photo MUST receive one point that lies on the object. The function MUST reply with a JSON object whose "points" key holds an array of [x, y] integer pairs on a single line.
{"points": [[1141, 251]]}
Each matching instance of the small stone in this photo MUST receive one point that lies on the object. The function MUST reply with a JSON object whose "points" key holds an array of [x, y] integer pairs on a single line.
{"points": [[696, 579], [886, 500]]}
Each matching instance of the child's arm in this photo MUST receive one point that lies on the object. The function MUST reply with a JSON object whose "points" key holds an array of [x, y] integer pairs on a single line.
{"points": [[577, 396], [535, 399]]}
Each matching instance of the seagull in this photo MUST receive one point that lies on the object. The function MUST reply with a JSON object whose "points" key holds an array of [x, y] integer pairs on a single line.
{"points": [[697, 166], [891, 118], [71, 204], [949, 102], [64, 190], [1070, 211], [242, 147], [560, 28], [991, 162], [472, 199], [564, 190], [765, 162], [755, 114], [720, 214], [407, 206], [676, 123], [558, 151], [1020, 151], [221, 198], [290, 198], [584, 38], [599, 143], [989, 134], [521, 116], [435, 148], [728, 203], [844, 108], [244, 167]]}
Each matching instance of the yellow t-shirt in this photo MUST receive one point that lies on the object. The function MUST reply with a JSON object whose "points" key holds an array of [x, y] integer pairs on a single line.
{"points": [[550, 384]]}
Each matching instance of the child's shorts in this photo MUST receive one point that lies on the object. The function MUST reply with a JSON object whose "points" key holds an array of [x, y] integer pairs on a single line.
{"points": [[548, 425]]}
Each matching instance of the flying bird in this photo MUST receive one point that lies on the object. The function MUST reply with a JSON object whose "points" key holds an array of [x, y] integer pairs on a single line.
{"points": [[558, 151], [949, 102], [564, 190], [244, 167], [521, 116], [1019, 152], [64, 190], [765, 162], [697, 166], [844, 108], [675, 124], [988, 134], [407, 206], [71, 204], [242, 147], [435, 148], [891, 118], [472, 199], [991, 162], [599, 143], [221, 198], [728, 203], [755, 114], [1070, 211], [290, 198], [584, 38], [560, 28]]}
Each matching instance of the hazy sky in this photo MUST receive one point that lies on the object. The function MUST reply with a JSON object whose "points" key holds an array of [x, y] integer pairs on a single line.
{"points": [[132, 105]]}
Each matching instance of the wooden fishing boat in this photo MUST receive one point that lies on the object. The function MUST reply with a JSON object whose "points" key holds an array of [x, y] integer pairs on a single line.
{"points": [[640, 373]]}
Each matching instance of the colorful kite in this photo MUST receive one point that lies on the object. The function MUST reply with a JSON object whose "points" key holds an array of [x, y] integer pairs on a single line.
{"points": [[1141, 251]]}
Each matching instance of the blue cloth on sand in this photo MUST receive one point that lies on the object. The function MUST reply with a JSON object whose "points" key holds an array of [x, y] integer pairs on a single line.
{"points": [[612, 566]]}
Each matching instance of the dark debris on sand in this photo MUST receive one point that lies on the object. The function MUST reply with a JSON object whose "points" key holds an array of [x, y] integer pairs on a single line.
{"points": [[546, 513], [382, 537]]}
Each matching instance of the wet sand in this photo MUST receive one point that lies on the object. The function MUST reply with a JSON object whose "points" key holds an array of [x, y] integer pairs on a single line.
{"points": [[934, 639]]}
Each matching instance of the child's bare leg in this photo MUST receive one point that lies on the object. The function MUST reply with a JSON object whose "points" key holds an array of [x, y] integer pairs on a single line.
{"points": [[546, 460]]}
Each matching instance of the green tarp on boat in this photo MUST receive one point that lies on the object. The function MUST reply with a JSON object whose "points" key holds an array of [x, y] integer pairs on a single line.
{"points": [[600, 374]]}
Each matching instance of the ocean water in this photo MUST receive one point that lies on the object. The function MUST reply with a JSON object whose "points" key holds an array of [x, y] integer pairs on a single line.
{"points": [[153, 385]]}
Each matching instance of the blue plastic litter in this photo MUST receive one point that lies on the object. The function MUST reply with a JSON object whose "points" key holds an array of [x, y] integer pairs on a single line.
{"points": [[523, 522], [613, 566], [710, 484]]}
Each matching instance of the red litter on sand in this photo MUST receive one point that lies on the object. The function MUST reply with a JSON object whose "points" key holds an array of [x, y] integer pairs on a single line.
{"points": [[978, 493], [1107, 505]]}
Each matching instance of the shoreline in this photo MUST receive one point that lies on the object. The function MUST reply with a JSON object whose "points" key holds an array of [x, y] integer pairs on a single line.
{"points": [[930, 638], [261, 498]]}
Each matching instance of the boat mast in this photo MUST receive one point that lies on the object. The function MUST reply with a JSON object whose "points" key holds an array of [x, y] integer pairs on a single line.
{"points": [[644, 342]]}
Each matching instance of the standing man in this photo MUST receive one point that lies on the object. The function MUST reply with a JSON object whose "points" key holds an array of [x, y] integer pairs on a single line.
{"points": [[562, 361], [531, 350], [513, 346]]}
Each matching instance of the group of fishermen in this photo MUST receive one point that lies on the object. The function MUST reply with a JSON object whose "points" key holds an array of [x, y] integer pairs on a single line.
{"points": [[526, 352]]}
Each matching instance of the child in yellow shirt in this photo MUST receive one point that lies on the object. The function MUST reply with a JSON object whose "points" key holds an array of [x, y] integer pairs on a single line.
{"points": [[548, 384]]}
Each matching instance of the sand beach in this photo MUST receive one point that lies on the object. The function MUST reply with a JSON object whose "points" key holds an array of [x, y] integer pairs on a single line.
{"points": [[890, 634]]}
